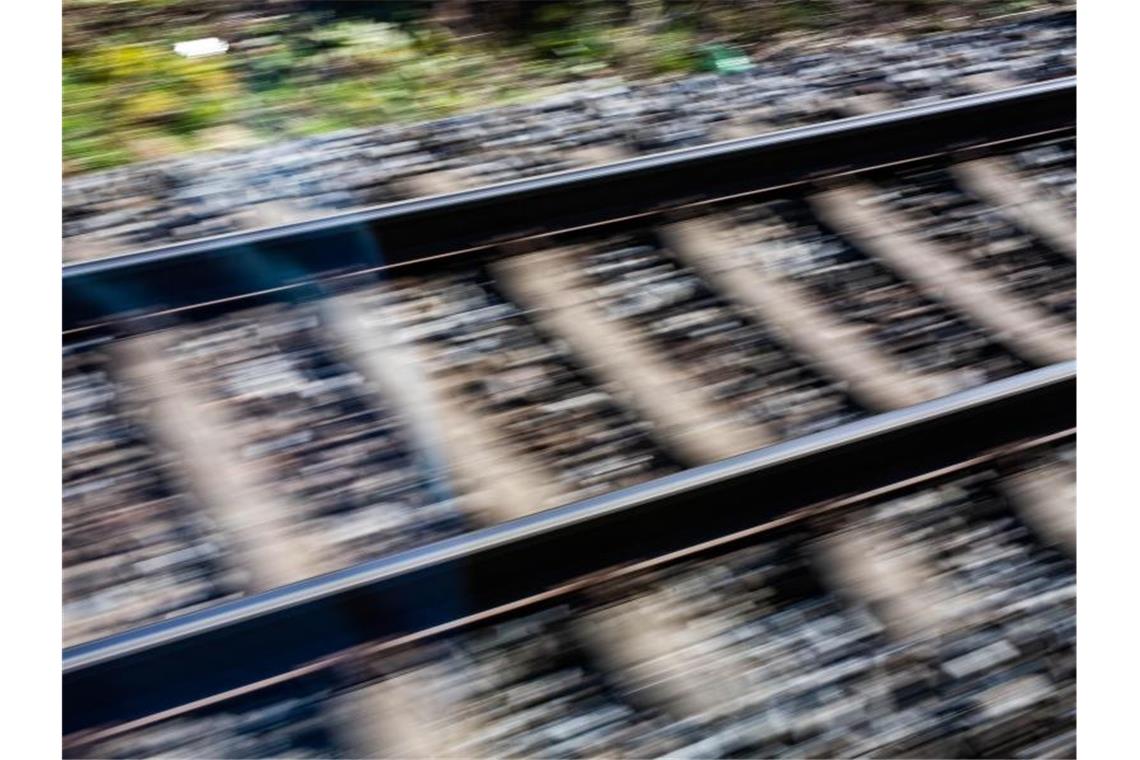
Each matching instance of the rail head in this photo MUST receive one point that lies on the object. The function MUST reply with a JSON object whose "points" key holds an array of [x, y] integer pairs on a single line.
{"points": [[689, 483], [288, 261], [661, 161], [201, 657]]}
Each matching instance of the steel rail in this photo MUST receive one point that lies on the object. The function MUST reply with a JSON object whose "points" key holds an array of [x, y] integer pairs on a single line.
{"points": [[264, 260], [160, 666], [354, 656]]}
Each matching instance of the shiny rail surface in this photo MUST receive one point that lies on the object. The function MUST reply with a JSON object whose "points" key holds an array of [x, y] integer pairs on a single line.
{"points": [[158, 667], [294, 255], [234, 646]]}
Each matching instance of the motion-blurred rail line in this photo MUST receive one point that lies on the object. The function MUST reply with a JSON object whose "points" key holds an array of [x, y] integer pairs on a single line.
{"points": [[160, 666], [129, 285], [493, 499]]}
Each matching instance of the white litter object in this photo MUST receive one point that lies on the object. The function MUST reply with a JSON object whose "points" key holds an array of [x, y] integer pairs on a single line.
{"points": [[201, 48]]}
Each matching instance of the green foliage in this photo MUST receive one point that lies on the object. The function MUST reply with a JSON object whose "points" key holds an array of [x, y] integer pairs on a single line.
{"points": [[130, 92], [299, 72]]}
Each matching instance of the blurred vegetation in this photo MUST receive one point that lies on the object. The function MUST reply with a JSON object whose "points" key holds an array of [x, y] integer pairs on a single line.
{"points": [[300, 68]]}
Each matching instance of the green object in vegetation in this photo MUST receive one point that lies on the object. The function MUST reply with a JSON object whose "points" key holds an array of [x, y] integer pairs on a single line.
{"points": [[724, 59]]}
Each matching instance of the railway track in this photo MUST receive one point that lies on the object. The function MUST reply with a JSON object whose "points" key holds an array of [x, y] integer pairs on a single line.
{"points": [[449, 416], [455, 581], [598, 622], [291, 256], [183, 198]]}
